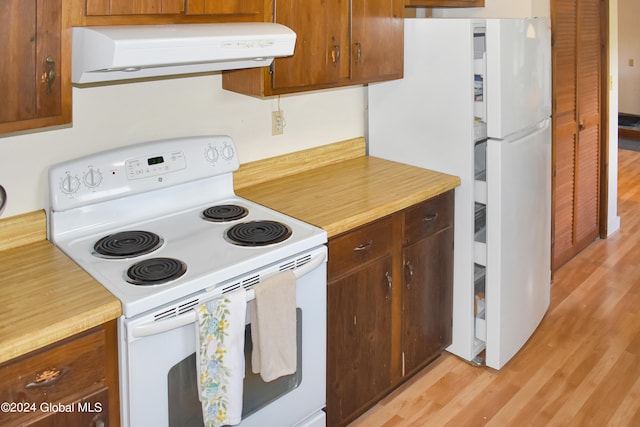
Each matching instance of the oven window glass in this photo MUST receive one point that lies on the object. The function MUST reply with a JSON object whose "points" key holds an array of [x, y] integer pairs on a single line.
{"points": [[184, 407]]}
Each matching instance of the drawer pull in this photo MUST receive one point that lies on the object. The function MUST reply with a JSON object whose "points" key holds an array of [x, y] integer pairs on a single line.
{"points": [[363, 246], [408, 273], [390, 284], [46, 377], [430, 217], [49, 77]]}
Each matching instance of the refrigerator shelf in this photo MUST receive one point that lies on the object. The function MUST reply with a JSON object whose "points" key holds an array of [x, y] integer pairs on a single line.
{"points": [[480, 192], [480, 253]]}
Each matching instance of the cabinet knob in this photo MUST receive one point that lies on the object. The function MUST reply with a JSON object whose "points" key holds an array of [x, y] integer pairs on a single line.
{"points": [[581, 125], [49, 77]]}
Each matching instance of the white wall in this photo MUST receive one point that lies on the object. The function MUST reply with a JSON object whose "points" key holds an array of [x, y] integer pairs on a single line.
{"points": [[629, 49], [613, 224], [109, 116]]}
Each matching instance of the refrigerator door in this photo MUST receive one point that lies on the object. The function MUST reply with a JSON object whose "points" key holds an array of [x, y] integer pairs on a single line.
{"points": [[518, 241], [518, 82]]}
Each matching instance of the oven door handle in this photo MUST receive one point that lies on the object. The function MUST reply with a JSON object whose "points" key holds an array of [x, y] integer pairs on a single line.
{"points": [[153, 328]]}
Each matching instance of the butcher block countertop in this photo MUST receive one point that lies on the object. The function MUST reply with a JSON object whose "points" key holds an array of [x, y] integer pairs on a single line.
{"points": [[45, 296], [338, 187]]}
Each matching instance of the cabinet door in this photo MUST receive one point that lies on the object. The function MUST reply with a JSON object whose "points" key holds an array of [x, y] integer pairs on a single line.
{"points": [[30, 72], [226, 7], [377, 40], [427, 299], [80, 371], [321, 53], [133, 7], [358, 340]]}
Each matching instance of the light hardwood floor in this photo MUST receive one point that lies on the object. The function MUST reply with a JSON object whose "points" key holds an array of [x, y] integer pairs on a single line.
{"points": [[580, 368]]}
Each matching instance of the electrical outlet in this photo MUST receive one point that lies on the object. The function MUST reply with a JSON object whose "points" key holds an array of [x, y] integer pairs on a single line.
{"points": [[277, 122]]}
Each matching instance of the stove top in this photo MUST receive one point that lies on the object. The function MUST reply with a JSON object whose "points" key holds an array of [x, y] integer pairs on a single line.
{"points": [[164, 237]]}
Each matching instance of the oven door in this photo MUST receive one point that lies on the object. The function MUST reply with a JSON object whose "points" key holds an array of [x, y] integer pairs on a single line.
{"points": [[158, 368]]}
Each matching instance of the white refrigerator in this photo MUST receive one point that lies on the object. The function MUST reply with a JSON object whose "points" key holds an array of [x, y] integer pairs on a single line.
{"points": [[475, 101]]}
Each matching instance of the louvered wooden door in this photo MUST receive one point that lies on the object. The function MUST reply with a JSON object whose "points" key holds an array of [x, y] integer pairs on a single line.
{"points": [[577, 62]]}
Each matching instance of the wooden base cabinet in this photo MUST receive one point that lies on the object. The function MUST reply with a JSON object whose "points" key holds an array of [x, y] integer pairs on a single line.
{"points": [[359, 320], [389, 305], [427, 294], [70, 383]]}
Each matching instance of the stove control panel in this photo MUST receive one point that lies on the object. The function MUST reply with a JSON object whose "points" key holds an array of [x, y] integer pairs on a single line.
{"points": [[140, 168], [157, 164]]}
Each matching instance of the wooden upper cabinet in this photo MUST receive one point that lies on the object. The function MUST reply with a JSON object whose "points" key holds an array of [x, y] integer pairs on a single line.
{"points": [[223, 7], [377, 40], [169, 7], [141, 12], [133, 7], [339, 43], [34, 78], [444, 3], [321, 54]]}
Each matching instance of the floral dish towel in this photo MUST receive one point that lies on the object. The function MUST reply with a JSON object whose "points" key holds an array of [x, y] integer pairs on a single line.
{"points": [[220, 363]]}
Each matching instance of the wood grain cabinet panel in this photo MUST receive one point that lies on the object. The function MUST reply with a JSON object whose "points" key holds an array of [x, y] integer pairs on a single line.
{"points": [[34, 74], [70, 383], [389, 304], [377, 40], [359, 343], [322, 49], [360, 246], [427, 300], [171, 7]]}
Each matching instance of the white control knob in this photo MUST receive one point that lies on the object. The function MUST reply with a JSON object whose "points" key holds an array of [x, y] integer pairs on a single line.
{"points": [[92, 178], [227, 152], [69, 184], [211, 154]]}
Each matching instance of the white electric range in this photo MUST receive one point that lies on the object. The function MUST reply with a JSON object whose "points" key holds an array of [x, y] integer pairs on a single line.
{"points": [[159, 225]]}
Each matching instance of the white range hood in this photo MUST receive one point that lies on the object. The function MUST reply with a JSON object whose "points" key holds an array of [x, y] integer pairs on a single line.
{"points": [[101, 54]]}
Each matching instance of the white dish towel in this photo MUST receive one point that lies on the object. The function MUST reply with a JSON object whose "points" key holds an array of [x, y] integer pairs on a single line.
{"points": [[220, 327], [273, 327]]}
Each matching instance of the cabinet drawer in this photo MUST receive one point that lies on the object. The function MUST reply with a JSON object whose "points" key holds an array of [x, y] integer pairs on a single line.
{"points": [[428, 217], [60, 373], [359, 246]]}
